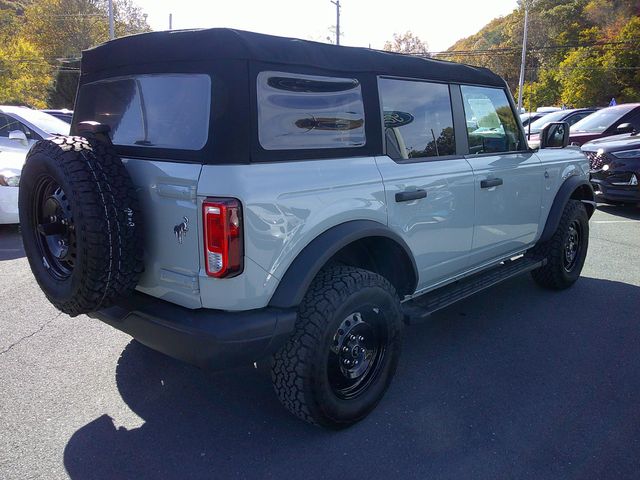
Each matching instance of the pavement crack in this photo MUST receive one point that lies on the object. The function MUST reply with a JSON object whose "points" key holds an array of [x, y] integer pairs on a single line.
{"points": [[22, 339]]}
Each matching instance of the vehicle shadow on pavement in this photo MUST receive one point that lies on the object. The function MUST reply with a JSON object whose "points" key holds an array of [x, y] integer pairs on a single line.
{"points": [[517, 382], [10, 242], [626, 211]]}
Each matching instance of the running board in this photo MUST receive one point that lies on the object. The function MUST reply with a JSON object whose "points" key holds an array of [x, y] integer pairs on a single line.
{"points": [[419, 308]]}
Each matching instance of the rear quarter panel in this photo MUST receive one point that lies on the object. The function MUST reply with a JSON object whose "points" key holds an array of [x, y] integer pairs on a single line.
{"points": [[285, 206]]}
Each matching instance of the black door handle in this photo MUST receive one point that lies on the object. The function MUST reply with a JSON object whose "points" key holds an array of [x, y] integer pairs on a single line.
{"points": [[491, 182], [410, 195]]}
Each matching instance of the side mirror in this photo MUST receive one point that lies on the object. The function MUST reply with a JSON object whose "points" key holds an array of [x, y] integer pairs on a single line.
{"points": [[625, 128], [18, 135], [554, 135]]}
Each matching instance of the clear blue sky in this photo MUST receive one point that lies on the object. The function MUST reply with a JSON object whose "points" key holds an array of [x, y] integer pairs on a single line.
{"points": [[363, 22]]}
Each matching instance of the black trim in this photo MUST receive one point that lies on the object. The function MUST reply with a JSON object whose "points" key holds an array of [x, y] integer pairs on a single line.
{"points": [[407, 196], [565, 191], [459, 120], [298, 277], [204, 337]]}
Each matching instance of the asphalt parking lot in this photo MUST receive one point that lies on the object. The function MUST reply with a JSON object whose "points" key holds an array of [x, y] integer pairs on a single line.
{"points": [[516, 382]]}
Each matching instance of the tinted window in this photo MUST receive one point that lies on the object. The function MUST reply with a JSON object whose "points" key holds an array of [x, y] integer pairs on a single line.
{"points": [[599, 121], [4, 126], [161, 111], [41, 120], [309, 112], [9, 124], [417, 119], [491, 125]]}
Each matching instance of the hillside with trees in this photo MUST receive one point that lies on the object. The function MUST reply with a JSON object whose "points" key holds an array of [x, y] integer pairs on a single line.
{"points": [[41, 42], [579, 52]]}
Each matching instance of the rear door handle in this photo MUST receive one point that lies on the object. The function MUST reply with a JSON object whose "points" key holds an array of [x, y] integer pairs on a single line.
{"points": [[490, 182], [410, 195]]}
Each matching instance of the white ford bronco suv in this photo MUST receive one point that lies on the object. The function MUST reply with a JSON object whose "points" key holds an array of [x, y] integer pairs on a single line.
{"points": [[228, 197]]}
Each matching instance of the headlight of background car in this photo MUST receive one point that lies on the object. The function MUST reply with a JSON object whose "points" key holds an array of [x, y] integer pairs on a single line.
{"points": [[6, 181], [635, 153]]}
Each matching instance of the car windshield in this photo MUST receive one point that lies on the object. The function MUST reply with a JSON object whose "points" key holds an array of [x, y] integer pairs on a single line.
{"points": [[45, 122], [599, 121], [537, 125]]}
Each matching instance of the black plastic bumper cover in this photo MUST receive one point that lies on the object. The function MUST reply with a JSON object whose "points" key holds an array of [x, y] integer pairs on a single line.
{"points": [[207, 338]]}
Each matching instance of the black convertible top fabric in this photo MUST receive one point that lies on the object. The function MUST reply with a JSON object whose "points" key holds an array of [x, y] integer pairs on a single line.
{"points": [[221, 43]]}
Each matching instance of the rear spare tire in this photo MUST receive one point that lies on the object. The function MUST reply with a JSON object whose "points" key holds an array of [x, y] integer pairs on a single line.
{"points": [[80, 223]]}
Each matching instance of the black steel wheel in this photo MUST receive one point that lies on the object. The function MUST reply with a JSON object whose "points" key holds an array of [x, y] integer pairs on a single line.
{"points": [[343, 353], [566, 251], [357, 353], [55, 239], [572, 246]]}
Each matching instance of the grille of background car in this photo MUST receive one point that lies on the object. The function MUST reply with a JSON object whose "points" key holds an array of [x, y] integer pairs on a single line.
{"points": [[597, 160]]}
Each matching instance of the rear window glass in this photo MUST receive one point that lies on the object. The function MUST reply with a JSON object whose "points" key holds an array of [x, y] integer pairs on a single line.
{"points": [[297, 112], [160, 111]]}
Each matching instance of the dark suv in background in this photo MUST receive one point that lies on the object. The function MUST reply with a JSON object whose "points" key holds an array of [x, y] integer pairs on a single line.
{"points": [[615, 167], [609, 121]]}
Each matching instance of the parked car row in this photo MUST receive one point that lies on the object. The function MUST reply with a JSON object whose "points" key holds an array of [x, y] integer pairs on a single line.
{"points": [[610, 138], [20, 128]]}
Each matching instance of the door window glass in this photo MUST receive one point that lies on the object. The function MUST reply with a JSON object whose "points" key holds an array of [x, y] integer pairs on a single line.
{"points": [[491, 124], [418, 121], [309, 112]]}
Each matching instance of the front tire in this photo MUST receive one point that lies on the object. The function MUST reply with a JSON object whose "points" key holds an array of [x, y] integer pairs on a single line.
{"points": [[344, 351], [566, 251]]}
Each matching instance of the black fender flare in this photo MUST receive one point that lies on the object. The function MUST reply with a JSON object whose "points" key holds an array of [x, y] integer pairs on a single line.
{"points": [[298, 277], [564, 194]]}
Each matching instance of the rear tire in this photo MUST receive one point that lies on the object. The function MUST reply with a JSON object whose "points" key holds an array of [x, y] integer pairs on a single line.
{"points": [[344, 351], [566, 251]]}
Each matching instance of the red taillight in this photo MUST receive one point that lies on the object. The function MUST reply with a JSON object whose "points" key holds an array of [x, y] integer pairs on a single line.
{"points": [[223, 246]]}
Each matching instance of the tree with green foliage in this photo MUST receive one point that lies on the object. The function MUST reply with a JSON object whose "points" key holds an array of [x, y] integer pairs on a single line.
{"points": [[580, 52], [408, 43], [54, 33]]}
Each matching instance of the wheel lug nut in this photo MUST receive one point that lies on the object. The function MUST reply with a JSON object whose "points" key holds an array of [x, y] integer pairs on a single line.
{"points": [[345, 349], [361, 338]]}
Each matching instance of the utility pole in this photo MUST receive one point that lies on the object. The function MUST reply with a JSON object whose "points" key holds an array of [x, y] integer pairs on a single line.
{"points": [[112, 33], [337, 4], [171, 21], [525, 4]]}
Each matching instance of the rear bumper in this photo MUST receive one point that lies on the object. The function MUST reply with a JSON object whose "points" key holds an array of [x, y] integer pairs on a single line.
{"points": [[207, 338]]}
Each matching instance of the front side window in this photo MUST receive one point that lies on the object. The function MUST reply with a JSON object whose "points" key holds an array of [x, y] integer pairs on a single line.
{"points": [[418, 121], [161, 111], [297, 112], [491, 124]]}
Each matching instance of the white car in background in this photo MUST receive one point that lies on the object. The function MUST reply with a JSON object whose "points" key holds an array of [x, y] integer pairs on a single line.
{"points": [[10, 167], [20, 128]]}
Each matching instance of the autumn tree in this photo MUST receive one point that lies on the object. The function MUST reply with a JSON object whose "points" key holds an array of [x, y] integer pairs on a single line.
{"points": [[407, 43]]}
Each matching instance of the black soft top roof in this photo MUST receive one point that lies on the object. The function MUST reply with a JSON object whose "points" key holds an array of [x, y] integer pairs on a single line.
{"points": [[222, 43]]}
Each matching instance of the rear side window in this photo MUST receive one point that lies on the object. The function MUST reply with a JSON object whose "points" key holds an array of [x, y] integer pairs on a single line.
{"points": [[491, 124], [418, 121], [298, 112], [160, 111]]}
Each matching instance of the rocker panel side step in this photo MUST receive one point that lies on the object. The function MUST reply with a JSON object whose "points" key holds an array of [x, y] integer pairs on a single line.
{"points": [[419, 308]]}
